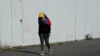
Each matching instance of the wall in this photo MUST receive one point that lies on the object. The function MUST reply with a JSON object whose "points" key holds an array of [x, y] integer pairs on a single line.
{"points": [[71, 20]]}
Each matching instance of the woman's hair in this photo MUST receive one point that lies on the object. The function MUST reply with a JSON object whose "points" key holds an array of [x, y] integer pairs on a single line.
{"points": [[41, 14]]}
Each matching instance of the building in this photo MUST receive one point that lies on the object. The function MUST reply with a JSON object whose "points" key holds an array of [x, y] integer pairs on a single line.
{"points": [[71, 20]]}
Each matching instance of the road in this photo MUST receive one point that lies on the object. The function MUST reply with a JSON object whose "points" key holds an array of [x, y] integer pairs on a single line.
{"points": [[78, 48]]}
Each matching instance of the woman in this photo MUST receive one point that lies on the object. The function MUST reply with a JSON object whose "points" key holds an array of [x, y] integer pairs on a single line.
{"points": [[44, 31]]}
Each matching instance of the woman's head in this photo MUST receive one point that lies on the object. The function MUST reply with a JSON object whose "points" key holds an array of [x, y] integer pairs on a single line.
{"points": [[41, 15]]}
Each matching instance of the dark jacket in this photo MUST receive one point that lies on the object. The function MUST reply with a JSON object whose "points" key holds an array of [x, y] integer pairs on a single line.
{"points": [[43, 28]]}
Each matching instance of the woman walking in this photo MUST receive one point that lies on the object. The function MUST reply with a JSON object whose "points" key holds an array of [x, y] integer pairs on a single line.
{"points": [[44, 31]]}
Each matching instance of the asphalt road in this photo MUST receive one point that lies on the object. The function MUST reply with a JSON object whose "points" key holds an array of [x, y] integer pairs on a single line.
{"points": [[79, 48]]}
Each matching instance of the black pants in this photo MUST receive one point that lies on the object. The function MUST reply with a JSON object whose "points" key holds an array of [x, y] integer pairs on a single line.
{"points": [[44, 37]]}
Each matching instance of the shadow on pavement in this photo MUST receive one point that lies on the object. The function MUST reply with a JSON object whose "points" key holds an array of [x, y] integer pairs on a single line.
{"points": [[98, 51], [31, 52]]}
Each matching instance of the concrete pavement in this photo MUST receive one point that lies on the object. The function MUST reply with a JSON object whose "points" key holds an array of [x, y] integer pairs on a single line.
{"points": [[79, 48]]}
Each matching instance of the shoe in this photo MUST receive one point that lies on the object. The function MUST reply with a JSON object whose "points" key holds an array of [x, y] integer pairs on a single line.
{"points": [[50, 51], [42, 53]]}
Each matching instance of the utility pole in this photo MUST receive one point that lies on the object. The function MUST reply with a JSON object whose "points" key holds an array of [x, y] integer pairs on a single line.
{"points": [[75, 21], [22, 22], [11, 24]]}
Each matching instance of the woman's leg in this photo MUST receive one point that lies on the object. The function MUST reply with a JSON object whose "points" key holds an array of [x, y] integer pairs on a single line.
{"points": [[47, 43], [47, 40], [42, 41]]}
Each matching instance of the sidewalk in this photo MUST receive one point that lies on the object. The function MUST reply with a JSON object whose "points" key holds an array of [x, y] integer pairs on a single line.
{"points": [[79, 48]]}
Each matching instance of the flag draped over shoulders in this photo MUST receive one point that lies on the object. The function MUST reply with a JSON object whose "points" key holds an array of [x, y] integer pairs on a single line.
{"points": [[45, 19]]}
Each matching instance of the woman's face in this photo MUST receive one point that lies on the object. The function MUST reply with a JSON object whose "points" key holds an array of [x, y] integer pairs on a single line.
{"points": [[41, 18]]}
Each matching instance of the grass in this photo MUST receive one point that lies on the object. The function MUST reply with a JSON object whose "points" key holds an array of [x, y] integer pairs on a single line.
{"points": [[13, 48], [88, 37], [5, 49]]}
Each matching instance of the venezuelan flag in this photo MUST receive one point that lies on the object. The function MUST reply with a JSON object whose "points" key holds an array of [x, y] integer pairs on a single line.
{"points": [[45, 19]]}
